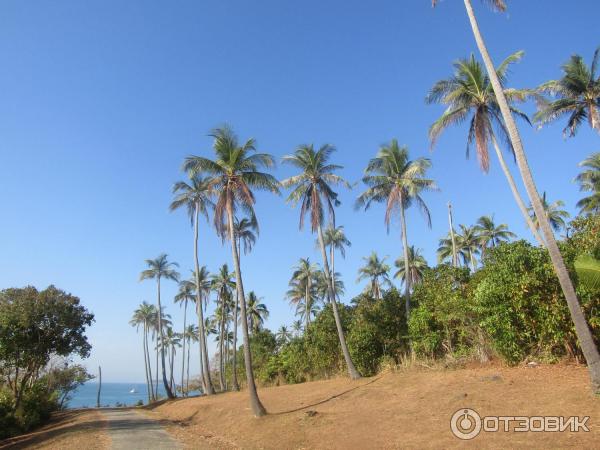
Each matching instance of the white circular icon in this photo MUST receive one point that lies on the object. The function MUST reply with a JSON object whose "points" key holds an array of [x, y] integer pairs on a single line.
{"points": [[465, 424]]}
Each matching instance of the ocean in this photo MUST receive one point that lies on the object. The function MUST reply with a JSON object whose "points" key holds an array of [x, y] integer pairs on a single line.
{"points": [[111, 394]]}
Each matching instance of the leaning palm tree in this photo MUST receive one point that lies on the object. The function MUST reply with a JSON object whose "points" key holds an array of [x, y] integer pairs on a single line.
{"points": [[196, 197], [577, 95], [158, 269], [589, 181], [377, 272], [312, 188], [392, 178], [416, 267], [186, 294], [235, 173], [586, 340], [257, 312], [143, 316], [469, 95], [554, 213], [302, 286], [246, 231], [490, 234], [335, 239]]}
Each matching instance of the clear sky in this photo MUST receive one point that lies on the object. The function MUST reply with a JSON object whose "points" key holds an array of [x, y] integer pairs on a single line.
{"points": [[102, 100]]}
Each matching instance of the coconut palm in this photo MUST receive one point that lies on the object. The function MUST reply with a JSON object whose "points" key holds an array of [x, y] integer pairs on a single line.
{"points": [[468, 243], [143, 316], [312, 187], [490, 234], [589, 181], [190, 335], [469, 95], [196, 196], [335, 239], [246, 232], [223, 284], [377, 272], [235, 173], [392, 178], [322, 287], [257, 312], [297, 327], [158, 269], [283, 335], [165, 323], [416, 266], [577, 95], [553, 212], [582, 329], [302, 287], [172, 341], [203, 279], [186, 294], [446, 250]]}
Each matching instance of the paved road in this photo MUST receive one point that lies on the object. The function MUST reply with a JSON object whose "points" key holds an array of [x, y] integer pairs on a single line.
{"points": [[131, 430]]}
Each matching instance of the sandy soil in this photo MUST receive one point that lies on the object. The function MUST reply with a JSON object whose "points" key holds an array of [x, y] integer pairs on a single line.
{"points": [[69, 430], [409, 409]]}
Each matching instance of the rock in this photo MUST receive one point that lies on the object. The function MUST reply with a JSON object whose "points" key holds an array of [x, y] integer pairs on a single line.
{"points": [[532, 364], [310, 413]]}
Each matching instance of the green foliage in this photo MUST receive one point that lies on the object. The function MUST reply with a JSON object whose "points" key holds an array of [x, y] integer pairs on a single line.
{"points": [[588, 270], [443, 319], [65, 380], [378, 329]]}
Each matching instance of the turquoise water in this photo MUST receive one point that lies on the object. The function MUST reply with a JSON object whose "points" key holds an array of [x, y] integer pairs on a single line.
{"points": [[111, 393]]}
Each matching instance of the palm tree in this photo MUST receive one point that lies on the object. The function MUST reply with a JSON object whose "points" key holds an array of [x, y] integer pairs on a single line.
{"points": [[196, 197], [236, 173], [257, 312], [377, 271], [297, 327], [553, 212], [393, 178], [469, 93], [582, 329], [186, 294], [468, 243], [335, 239], [416, 266], [158, 269], [190, 335], [578, 95], [143, 316], [490, 234], [312, 188], [283, 335], [302, 287], [589, 181], [246, 231], [322, 286], [223, 285], [447, 250]]}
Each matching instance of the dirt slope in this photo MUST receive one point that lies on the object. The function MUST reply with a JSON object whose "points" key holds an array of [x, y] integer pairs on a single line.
{"points": [[410, 409]]}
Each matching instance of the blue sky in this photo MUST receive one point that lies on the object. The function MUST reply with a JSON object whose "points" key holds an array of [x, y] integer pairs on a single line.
{"points": [[101, 101]]}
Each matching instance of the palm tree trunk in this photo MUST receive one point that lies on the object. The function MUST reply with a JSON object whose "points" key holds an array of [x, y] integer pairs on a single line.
{"points": [[454, 254], [207, 382], [332, 256], [306, 305], [146, 362], [221, 333], [150, 382], [234, 381], [338, 323], [516, 194], [406, 261], [183, 350], [187, 384], [226, 359], [590, 351], [156, 385], [255, 404], [162, 346]]}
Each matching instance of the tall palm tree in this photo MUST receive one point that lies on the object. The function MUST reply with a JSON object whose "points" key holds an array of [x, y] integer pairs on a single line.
{"points": [[553, 212], [490, 234], [297, 327], [468, 243], [257, 312], [158, 269], [190, 335], [186, 294], [302, 286], [449, 250], [392, 178], [246, 232], [143, 316], [204, 281], [223, 284], [469, 95], [335, 239], [283, 335], [416, 266], [312, 188], [377, 272], [235, 172], [589, 181], [196, 197], [577, 95], [322, 286], [586, 340]]}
